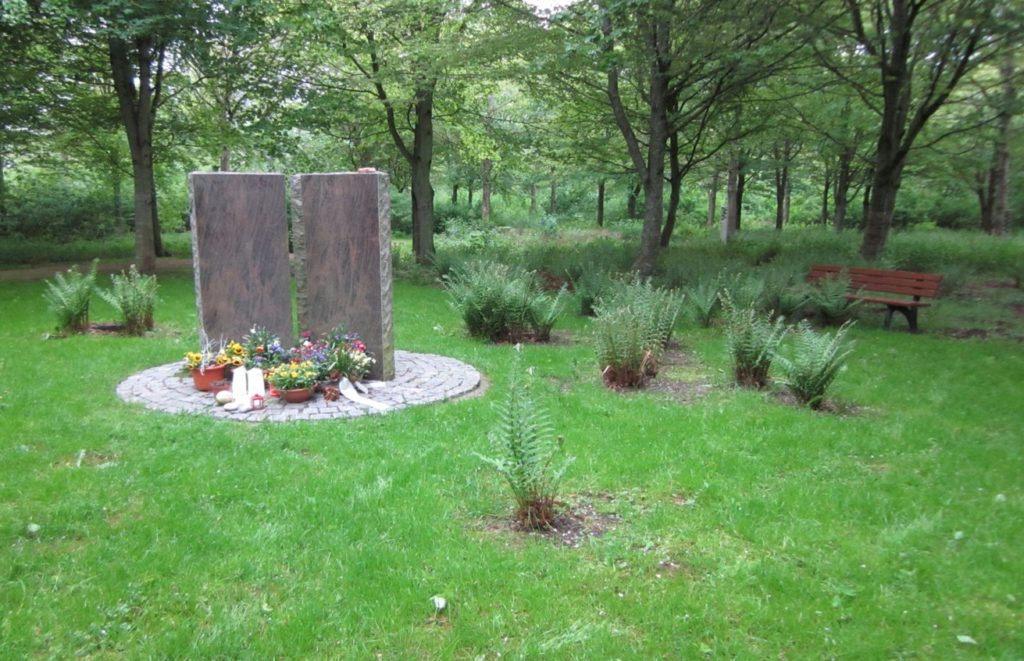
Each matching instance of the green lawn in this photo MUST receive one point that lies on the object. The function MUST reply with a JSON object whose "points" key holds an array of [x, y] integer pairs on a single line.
{"points": [[747, 528]]}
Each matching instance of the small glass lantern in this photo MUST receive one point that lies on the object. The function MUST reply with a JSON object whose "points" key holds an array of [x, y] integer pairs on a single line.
{"points": [[259, 402]]}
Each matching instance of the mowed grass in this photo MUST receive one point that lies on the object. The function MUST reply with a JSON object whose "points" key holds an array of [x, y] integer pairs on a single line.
{"points": [[747, 528]]}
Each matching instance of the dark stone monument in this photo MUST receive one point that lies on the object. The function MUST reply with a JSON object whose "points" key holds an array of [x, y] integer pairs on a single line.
{"points": [[240, 254], [341, 231]]}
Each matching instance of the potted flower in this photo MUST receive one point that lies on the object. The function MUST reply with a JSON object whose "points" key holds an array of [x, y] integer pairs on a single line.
{"points": [[294, 381], [317, 352], [207, 367]]}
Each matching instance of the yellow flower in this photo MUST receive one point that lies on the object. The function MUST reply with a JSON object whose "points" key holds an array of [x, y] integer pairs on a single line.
{"points": [[237, 361]]}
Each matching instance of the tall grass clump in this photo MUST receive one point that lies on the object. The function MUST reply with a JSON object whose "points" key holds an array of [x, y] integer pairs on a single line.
{"points": [[633, 326], [133, 295], [753, 339], [525, 449], [69, 295], [817, 359], [589, 285], [501, 303]]}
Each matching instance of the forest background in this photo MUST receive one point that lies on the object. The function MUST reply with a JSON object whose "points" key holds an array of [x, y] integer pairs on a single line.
{"points": [[655, 117]]}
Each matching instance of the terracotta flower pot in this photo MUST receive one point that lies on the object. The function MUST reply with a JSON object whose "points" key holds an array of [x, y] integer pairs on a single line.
{"points": [[295, 395], [204, 380]]}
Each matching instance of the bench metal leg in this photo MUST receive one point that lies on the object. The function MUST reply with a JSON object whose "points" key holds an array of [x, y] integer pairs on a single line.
{"points": [[909, 312]]}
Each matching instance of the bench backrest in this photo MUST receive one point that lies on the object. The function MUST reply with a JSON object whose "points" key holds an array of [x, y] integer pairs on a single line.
{"points": [[892, 282]]}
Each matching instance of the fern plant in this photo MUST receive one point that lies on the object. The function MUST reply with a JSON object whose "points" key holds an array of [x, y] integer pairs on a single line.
{"points": [[525, 452], [501, 303], [627, 349], [753, 339], [702, 302], [69, 295], [589, 285], [133, 295], [659, 307], [817, 359], [826, 299]]}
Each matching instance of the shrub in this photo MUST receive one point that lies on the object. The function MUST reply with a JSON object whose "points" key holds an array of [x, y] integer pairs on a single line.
{"points": [[625, 352], [133, 295], [817, 360], [752, 338], [702, 302], [826, 299], [69, 295], [525, 450], [499, 303]]}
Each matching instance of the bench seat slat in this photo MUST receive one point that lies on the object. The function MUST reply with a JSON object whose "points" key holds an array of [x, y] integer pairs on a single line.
{"points": [[888, 301]]}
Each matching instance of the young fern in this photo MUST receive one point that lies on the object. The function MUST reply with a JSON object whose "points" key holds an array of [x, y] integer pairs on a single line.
{"points": [[525, 449], [702, 302], [69, 295], [827, 299], [817, 360], [752, 338], [133, 295]]}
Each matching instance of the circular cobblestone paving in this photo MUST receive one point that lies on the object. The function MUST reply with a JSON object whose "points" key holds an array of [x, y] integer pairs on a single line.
{"points": [[420, 378]]}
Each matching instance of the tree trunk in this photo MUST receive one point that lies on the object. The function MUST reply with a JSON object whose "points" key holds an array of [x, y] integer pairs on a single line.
{"points": [[632, 202], [842, 189], [825, 192], [533, 199], [675, 178], [553, 198], [455, 194], [884, 186], [1001, 162], [469, 194], [781, 196], [600, 203], [422, 190], [741, 185], [983, 188], [485, 189], [137, 110], [225, 159], [712, 200], [3, 188], [731, 216], [865, 204]]}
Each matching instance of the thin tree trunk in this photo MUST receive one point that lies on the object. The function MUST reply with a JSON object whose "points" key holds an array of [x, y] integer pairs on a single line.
{"points": [[533, 199], [600, 203], [469, 194], [553, 197], [781, 196], [865, 204], [3, 188], [983, 188], [422, 190], [842, 189], [731, 216], [455, 194], [632, 202], [825, 192], [675, 178], [741, 185], [225, 159], [712, 200], [1001, 163], [485, 189]]}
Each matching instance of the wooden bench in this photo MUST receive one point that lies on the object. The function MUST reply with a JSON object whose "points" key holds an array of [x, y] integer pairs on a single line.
{"points": [[865, 281]]}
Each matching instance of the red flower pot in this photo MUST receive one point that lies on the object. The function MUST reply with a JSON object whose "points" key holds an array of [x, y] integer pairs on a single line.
{"points": [[204, 380], [295, 395]]}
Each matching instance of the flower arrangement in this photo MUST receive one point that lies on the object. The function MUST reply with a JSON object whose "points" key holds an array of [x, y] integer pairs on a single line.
{"points": [[347, 355], [209, 355], [292, 376], [263, 349], [317, 352]]}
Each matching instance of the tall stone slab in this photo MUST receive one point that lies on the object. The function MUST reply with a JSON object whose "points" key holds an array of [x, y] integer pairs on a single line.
{"points": [[240, 253], [341, 232]]}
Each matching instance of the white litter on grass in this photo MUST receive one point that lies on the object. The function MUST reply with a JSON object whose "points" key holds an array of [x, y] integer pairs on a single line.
{"points": [[966, 640]]}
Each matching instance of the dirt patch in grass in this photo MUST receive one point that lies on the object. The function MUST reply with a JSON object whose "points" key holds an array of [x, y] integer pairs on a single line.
{"points": [[999, 329], [87, 458], [830, 405], [578, 520], [681, 376]]}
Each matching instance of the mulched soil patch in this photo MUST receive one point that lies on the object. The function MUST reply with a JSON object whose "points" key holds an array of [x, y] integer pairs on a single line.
{"points": [[831, 406], [682, 389]]}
